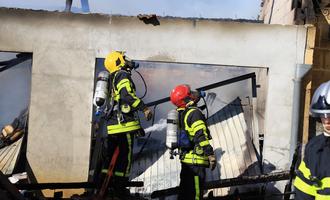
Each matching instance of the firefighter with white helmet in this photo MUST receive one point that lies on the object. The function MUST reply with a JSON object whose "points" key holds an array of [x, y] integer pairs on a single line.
{"points": [[196, 153], [313, 174], [123, 123]]}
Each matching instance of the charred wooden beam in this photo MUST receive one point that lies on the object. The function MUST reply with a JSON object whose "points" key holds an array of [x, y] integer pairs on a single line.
{"points": [[42, 186], [242, 180]]}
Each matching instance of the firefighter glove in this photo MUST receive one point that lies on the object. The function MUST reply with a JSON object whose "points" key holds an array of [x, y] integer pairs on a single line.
{"points": [[140, 133], [213, 161], [147, 113]]}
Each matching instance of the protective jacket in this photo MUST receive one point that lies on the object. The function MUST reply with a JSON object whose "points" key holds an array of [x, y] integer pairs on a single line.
{"points": [[193, 123], [313, 174], [124, 117]]}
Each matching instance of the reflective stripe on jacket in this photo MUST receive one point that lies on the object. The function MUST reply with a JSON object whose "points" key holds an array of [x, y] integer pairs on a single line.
{"points": [[313, 175], [193, 122], [123, 91]]}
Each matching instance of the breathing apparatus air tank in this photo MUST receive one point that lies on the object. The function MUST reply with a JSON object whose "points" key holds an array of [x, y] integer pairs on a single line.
{"points": [[101, 90], [172, 130]]}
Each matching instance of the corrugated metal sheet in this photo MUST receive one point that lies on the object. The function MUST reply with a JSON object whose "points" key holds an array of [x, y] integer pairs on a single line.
{"points": [[8, 156], [232, 144]]}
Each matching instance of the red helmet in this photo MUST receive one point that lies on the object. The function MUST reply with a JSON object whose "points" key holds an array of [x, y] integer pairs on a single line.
{"points": [[181, 95]]}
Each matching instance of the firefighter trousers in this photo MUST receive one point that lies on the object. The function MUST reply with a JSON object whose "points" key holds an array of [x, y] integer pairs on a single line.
{"points": [[192, 180], [123, 165]]}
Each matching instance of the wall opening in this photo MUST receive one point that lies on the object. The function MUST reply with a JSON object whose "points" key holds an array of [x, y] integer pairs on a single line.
{"points": [[231, 107], [15, 90]]}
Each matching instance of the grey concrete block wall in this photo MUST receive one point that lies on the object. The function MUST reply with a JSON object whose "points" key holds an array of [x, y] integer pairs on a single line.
{"points": [[65, 46], [60, 115]]}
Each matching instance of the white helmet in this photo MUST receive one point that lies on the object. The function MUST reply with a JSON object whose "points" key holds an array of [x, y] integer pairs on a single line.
{"points": [[320, 105]]}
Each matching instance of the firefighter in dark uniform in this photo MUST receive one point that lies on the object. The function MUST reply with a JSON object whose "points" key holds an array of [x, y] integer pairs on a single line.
{"points": [[196, 153], [313, 174], [123, 123]]}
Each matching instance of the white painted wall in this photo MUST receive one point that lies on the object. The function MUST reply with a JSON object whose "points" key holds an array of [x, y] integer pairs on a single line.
{"points": [[64, 49]]}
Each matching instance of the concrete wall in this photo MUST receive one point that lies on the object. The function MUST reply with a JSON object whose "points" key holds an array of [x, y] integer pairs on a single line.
{"points": [[317, 48], [65, 46]]}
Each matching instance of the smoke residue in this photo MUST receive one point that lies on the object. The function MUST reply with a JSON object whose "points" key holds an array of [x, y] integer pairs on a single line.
{"points": [[159, 126]]}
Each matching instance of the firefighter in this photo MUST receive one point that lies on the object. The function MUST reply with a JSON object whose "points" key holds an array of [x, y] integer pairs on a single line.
{"points": [[313, 174], [196, 153], [123, 122]]}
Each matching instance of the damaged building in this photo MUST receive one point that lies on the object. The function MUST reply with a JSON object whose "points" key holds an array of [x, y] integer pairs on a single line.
{"points": [[259, 78]]}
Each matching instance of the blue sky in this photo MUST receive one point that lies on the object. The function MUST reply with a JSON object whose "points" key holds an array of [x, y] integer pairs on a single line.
{"points": [[235, 9]]}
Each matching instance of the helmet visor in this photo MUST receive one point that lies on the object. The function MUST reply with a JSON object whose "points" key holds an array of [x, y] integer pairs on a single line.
{"points": [[320, 113], [195, 96], [131, 64]]}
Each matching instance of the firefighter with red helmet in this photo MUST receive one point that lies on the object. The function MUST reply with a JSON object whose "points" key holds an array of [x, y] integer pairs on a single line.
{"points": [[196, 153], [313, 174]]}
